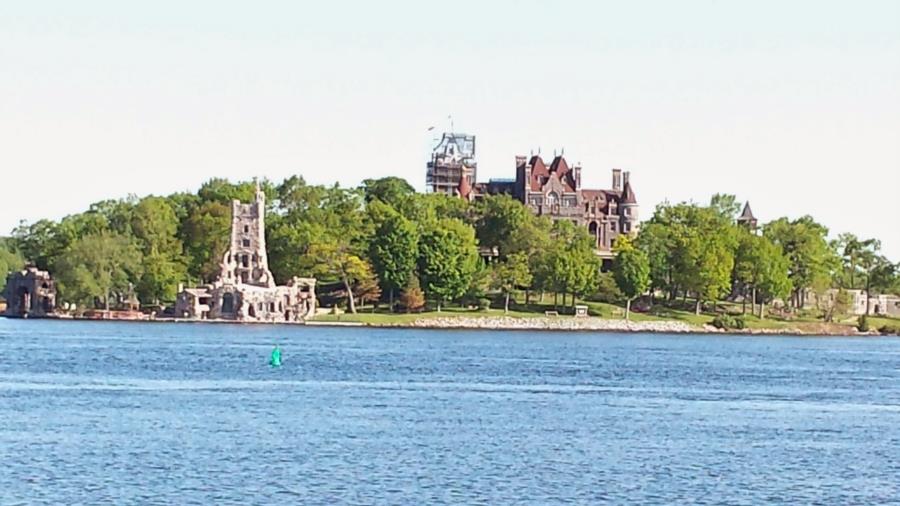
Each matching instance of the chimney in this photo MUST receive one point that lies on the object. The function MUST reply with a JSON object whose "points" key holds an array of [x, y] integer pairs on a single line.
{"points": [[180, 287], [577, 169], [625, 177], [617, 179]]}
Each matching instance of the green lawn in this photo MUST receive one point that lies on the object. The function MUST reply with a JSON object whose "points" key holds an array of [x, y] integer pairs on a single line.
{"points": [[382, 317], [659, 312]]}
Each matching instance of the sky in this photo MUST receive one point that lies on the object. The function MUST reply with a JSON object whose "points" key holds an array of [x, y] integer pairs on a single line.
{"points": [[792, 105]]}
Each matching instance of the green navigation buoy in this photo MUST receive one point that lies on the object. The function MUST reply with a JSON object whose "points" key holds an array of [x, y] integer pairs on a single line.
{"points": [[275, 359]]}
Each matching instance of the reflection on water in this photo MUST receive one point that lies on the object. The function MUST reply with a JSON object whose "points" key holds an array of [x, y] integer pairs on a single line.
{"points": [[177, 413]]}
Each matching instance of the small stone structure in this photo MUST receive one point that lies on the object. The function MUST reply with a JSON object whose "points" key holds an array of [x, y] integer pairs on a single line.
{"points": [[245, 290], [877, 304], [30, 293]]}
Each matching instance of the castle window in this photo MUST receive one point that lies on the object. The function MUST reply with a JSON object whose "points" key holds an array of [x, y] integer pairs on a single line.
{"points": [[245, 260], [552, 199], [245, 243], [246, 229]]}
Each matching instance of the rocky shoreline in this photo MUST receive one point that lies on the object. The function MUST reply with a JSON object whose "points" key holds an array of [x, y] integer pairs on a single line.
{"points": [[536, 324], [598, 325]]}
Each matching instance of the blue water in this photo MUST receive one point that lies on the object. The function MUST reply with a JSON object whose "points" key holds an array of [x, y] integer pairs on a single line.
{"points": [[127, 413]]}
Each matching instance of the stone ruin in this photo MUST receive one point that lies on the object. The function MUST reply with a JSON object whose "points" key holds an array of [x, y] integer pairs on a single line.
{"points": [[30, 293], [245, 290]]}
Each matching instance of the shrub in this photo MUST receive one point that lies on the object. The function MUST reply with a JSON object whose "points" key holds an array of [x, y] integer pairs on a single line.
{"points": [[863, 325], [484, 304], [607, 290], [890, 330], [412, 299], [728, 322]]}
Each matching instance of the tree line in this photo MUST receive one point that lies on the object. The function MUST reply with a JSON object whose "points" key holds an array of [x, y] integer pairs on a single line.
{"points": [[384, 243]]}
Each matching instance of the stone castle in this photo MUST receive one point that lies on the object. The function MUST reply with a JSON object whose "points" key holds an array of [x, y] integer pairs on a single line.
{"points": [[547, 189], [245, 289], [30, 293]]}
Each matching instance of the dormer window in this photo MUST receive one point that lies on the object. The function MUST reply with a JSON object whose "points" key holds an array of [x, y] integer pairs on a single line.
{"points": [[552, 199]]}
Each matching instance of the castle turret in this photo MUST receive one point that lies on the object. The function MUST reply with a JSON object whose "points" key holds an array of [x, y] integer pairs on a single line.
{"points": [[616, 180], [746, 218], [628, 207]]}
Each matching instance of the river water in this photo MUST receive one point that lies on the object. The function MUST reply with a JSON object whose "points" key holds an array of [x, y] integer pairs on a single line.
{"points": [[133, 413]]}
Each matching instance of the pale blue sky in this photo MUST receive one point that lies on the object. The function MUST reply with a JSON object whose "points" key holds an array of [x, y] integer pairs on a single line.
{"points": [[793, 105]]}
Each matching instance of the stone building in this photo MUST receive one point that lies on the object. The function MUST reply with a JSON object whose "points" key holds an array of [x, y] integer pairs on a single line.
{"points": [[452, 161], [877, 304], [245, 289], [30, 293], [554, 190]]}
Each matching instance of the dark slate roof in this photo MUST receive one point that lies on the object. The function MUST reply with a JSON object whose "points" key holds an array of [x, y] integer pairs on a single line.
{"points": [[628, 194], [746, 214]]}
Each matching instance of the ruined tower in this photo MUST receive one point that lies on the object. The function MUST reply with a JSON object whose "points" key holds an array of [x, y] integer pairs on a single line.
{"points": [[246, 262]]}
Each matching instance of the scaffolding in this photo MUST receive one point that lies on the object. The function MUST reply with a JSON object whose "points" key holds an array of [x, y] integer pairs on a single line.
{"points": [[451, 159]]}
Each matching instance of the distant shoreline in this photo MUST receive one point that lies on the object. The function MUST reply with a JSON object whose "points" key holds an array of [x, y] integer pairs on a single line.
{"points": [[506, 324]]}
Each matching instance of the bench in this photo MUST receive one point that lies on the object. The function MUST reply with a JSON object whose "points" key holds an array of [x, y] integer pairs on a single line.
{"points": [[551, 313]]}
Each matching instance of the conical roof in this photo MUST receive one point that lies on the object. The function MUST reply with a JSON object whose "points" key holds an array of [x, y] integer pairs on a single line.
{"points": [[746, 214], [628, 194]]}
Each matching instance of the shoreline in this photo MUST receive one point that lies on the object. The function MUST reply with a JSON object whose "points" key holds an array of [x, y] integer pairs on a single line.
{"points": [[507, 324]]}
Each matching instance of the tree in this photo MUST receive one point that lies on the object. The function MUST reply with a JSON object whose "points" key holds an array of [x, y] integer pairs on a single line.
{"points": [[631, 269], [337, 261], [839, 307], [656, 243], [391, 190], [568, 264], [412, 298], [850, 249], [98, 265], [155, 226], [38, 242], [206, 233], [394, 250], [498, 219], [696, 245], [880, 278], [511, 274], [726, 206], [10, 259], [763, 267], [810, 256], [448, 258]]}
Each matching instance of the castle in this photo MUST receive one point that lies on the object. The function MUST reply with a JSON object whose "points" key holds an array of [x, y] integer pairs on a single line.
{"points": [[553, 190], [245, 289], [30, 293]]}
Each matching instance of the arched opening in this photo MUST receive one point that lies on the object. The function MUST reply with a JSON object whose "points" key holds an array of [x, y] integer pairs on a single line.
{"points": [[252, 311], [23, 297], [228, 303], [594, 230]]}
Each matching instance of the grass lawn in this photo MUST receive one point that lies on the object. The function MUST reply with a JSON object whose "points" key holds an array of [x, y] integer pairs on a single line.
{"points": [[658, 313], [383, 317]]}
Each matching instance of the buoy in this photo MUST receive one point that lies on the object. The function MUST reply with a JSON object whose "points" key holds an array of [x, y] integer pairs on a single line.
{"points": [[275, 359]]}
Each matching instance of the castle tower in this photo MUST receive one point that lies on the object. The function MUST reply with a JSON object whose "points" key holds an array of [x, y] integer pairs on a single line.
{"points": [[246, 261], [628, 208], [746, 218], [452, 159]]}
